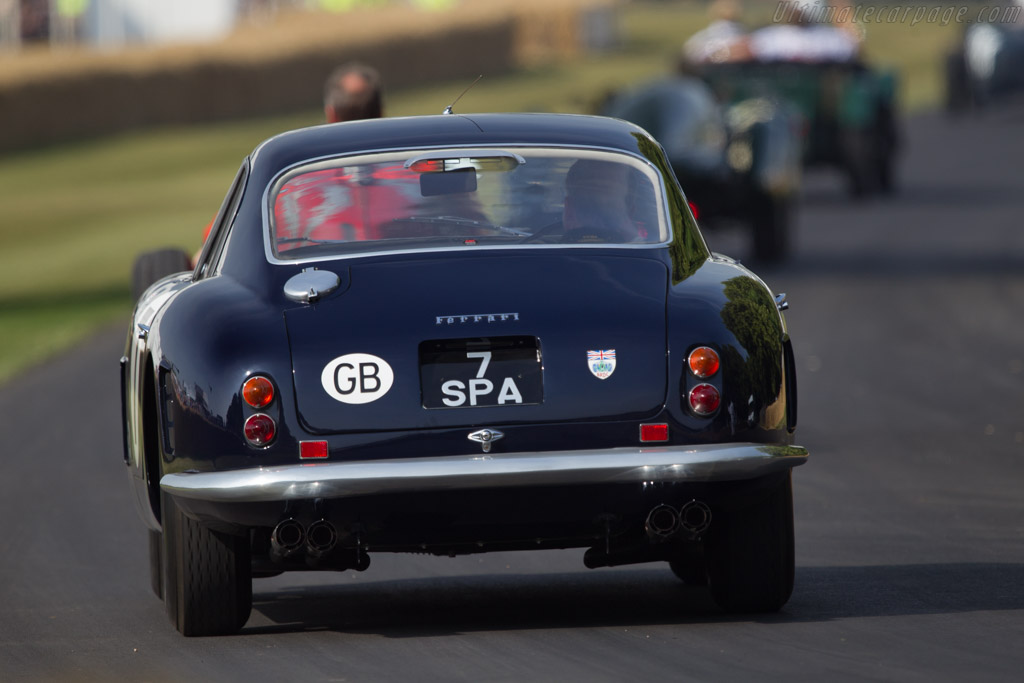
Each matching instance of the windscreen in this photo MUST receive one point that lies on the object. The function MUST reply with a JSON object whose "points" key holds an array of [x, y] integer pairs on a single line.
{"points": [[465, 198]]}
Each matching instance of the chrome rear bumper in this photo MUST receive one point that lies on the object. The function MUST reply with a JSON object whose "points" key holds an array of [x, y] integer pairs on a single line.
{"points": [[694, 463]]}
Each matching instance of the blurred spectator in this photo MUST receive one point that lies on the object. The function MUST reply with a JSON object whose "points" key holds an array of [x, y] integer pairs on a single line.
{"points": [[845, 12], [35, 20], [352, 92], [721, 39], [802, 37]]}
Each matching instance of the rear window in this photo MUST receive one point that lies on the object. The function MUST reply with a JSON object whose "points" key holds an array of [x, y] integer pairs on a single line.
{"points": [[465, 198]]}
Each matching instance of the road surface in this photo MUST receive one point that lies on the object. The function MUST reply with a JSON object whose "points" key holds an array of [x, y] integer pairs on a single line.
{"points": [[908, 321]]}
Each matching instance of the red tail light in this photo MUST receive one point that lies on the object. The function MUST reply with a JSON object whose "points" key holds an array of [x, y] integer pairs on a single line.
{"points": [[704, 399], [694, 210], [703, 361], [258, 391], [260, 429]]}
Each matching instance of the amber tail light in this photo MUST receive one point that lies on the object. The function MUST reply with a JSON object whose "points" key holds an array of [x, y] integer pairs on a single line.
{"points": [[258, 391], [703, 361]]}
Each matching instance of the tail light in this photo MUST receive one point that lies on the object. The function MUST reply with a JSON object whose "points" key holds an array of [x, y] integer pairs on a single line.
{"points": [[258, 391], [694, 210], [704, 399], [703, 362], [260, 429]]}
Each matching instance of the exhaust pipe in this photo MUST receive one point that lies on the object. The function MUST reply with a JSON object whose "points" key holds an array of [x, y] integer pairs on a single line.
{"points": [[662, 522], [286, 539], [690, 521], [694, 518], [321, 538]]}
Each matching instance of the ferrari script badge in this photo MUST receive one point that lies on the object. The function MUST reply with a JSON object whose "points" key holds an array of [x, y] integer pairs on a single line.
{"points": [[601, 363], [475, 318]]}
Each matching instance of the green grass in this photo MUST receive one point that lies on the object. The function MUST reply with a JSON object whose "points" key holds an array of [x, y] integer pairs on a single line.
{"points": [[75, 216], [36, 328]]}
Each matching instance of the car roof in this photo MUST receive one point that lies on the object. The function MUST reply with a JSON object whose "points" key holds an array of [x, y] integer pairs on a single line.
{"points": [[454, 130]]}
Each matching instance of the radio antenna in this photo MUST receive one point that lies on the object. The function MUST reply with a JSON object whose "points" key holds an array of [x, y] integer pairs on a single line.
{"points": [[448, 109]]}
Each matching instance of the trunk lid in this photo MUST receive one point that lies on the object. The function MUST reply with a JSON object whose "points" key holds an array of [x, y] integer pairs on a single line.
{"points": [[483, 339]]}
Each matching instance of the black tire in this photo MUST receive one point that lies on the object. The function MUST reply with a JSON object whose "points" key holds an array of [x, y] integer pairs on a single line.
{"points": [[156, 569], [151, 266], [860, 162], [959, 98], [750, 553], [690, 567], [771, 226], [887, 145], [885, 173], [207, 576]]}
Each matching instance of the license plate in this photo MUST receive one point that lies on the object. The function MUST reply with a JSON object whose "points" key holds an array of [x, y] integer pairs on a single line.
{"points": [[481, 372]]}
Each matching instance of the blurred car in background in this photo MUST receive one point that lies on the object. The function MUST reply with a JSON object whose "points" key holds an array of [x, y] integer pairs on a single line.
{"points": [[849, 111], [740, 162], [459, 334], [987, 65]]}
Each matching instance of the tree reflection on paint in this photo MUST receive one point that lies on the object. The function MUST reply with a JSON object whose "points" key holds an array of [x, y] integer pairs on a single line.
{"points": [[751, 316]]}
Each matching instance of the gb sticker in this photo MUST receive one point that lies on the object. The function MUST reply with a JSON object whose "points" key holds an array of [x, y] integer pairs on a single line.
{"points": [[357, 378]]}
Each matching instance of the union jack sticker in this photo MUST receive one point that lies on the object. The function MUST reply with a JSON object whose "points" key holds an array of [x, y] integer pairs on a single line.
{"points": [[601, 363]]}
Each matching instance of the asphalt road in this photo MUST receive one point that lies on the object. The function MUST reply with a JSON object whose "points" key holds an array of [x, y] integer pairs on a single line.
{"points": [[908, 320]]}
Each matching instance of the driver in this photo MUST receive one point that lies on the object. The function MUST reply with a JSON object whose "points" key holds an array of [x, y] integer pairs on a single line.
{"points": [[596, 207]]}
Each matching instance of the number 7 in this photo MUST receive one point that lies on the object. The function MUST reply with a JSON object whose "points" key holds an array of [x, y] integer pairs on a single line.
{"points": [[486, 356]]}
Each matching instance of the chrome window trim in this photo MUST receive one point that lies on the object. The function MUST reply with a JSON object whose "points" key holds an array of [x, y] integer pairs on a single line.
{"points": [[268, 247]]}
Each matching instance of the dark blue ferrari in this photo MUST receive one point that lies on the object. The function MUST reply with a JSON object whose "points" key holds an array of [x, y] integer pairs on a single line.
{"points": [[459, 334]]}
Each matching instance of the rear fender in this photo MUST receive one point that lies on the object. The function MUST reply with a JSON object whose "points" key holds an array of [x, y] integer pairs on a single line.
{"points": [[725, 306], [213, 337]]}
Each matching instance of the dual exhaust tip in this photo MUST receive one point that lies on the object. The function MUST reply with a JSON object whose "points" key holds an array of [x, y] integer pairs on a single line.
{"points": [[289, 537], [690, 521], [321, 537]]}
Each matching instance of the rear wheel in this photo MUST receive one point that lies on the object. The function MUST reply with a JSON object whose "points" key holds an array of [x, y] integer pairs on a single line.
{"points": [[860, 162], [750, 553], [156, 570], [689, 566], [887, 142], [771, 224], [207, 575], [151, 266], [958, 87]]}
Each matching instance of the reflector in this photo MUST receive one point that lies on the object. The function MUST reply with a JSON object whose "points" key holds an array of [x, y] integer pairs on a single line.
{"points": [[258, 391], [703, 361], [260, 429], [654, 432], [704, 399], [312, 449]]}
